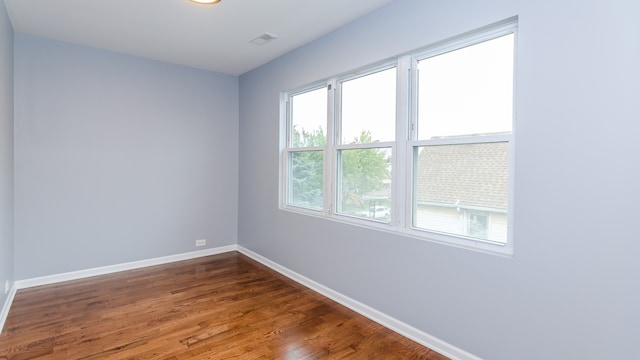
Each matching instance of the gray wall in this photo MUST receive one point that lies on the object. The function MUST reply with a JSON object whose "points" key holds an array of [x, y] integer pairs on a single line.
{"points": [[118, 158], [6, 152], [572, 289]]}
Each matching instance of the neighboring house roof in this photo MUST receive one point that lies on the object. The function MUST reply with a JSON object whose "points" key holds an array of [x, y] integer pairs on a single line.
{"points": [[469, 175]]}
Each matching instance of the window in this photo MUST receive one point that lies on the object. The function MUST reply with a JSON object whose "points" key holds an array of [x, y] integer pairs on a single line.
{"points": [[465, 116], [420, 145], [366, 131], [307, 139]]}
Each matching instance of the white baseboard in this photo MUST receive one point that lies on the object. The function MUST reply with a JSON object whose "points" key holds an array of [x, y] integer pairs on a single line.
{"points": [[7, 305], [81, 274], [381, 318]]}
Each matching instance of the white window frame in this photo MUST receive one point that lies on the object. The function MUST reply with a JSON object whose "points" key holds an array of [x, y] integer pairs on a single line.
{"points": [[286, 139], [338, 146], [406, 140], [461, 240]]}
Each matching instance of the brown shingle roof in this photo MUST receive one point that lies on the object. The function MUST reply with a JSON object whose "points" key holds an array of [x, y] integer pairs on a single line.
{"points": [[470, 174]]}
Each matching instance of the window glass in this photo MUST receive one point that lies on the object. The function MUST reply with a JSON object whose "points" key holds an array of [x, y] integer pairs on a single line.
{"points": [[369, 106], [309, 118], [468, 91], [453, 183], [364, 183], [305, 179], [478, 226]]}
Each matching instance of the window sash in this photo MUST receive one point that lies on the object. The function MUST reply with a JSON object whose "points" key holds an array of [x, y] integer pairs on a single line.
{"points": [[339, 100], [419, 209], [291, 195], [379, 196], [289, 116]]}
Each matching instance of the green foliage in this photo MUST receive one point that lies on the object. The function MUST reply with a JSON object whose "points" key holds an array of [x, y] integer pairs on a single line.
{"points": [[306, 169], [363, 171], [307, 139], [306, 179]]}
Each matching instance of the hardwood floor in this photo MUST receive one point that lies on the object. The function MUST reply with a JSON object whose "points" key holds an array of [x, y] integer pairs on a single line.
{"points": [[225, 306]]}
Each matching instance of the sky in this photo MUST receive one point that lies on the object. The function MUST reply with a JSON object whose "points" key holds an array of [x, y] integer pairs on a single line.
{"points": [[467, 91]]}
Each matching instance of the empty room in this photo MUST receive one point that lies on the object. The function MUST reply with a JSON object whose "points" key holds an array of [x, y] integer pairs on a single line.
{"points": [[293, 179]]}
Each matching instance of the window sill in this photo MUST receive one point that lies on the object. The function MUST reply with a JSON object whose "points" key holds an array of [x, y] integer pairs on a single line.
{"points": [[486, 247]]}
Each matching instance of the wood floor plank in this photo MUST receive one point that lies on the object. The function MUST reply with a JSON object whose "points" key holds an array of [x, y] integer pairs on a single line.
{"points": [[224, 306]]}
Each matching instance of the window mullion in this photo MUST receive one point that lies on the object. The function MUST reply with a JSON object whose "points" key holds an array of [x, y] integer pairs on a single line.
{"points": [[329, 151], [399, 197]]}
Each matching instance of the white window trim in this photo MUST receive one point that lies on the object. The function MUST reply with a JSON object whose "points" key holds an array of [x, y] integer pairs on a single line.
{"points": [[400, 222]]}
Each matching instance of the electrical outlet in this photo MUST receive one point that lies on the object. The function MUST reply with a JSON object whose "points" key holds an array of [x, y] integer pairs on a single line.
{"points": [[201, 242], [6, 286]]}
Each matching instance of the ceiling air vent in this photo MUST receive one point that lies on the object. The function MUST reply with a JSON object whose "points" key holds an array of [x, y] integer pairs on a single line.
{"points": [[263, 39]]}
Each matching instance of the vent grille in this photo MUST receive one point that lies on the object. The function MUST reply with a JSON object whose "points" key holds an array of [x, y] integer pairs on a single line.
{"points": [[263, 39]]}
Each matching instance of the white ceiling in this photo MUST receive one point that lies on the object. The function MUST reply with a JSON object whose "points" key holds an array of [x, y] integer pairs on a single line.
{"points": [[213, 37]]}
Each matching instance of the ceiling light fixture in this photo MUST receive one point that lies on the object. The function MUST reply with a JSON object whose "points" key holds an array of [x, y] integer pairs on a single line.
{"points": [[210, 2]]}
